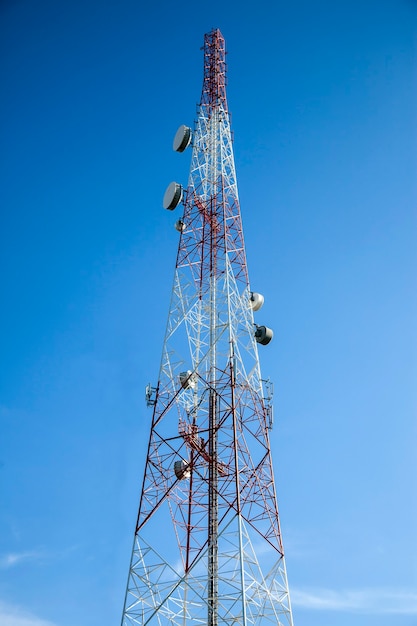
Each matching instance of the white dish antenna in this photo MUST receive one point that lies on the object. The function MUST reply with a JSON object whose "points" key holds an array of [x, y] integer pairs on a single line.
{"points": [[182, 138], [172, 196]]}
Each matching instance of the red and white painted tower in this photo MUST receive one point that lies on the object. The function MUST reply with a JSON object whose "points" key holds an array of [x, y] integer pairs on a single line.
{"points": [[207, 546]]}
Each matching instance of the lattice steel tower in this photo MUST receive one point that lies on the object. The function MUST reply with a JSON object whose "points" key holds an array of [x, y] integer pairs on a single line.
{"points": [[207, 546]]}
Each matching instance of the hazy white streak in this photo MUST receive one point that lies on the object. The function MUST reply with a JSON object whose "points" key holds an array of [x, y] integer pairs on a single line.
{"points": [[15, 616], [372, 601]]}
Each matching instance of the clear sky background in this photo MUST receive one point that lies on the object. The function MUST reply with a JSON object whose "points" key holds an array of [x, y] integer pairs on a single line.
{"points": [[323, 99]]}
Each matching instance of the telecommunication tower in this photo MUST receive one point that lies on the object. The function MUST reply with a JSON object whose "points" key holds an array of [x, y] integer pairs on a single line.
{"points": [[207, 545]]}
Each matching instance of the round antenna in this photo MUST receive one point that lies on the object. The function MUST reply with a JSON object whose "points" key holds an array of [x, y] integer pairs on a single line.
{"points": [[180, 226], [263, 335], [256, 300], [182, 139], [172, 196], [188, 380], [182, 470]]}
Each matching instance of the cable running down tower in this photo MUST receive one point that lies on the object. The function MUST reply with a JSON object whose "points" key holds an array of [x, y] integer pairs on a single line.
{"points": [[207, 546]]}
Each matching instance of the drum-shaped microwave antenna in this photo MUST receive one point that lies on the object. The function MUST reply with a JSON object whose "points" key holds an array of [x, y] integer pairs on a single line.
{"points": [[172, 196], [182, 470], [182, 138], [263, 335], [256, 301], [188, 380], [180, 226]]}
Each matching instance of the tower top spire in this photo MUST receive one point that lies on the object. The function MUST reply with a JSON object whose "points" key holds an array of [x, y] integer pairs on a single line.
{"points": [[214, 83]]}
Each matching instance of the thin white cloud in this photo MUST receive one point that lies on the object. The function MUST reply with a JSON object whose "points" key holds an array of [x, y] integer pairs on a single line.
{"points": [[368, 601], [15, 616], [15, 558], [38, 556]]}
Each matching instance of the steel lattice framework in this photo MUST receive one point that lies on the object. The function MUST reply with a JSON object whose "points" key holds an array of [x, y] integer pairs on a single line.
{"points": [[207, 546]]}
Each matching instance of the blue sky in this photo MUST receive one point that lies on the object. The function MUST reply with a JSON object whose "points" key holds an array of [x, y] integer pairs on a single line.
{"points": [[323, 102]]}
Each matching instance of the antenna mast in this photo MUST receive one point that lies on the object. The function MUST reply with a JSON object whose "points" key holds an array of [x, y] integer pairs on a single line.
{"points": [[207, 546]]}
